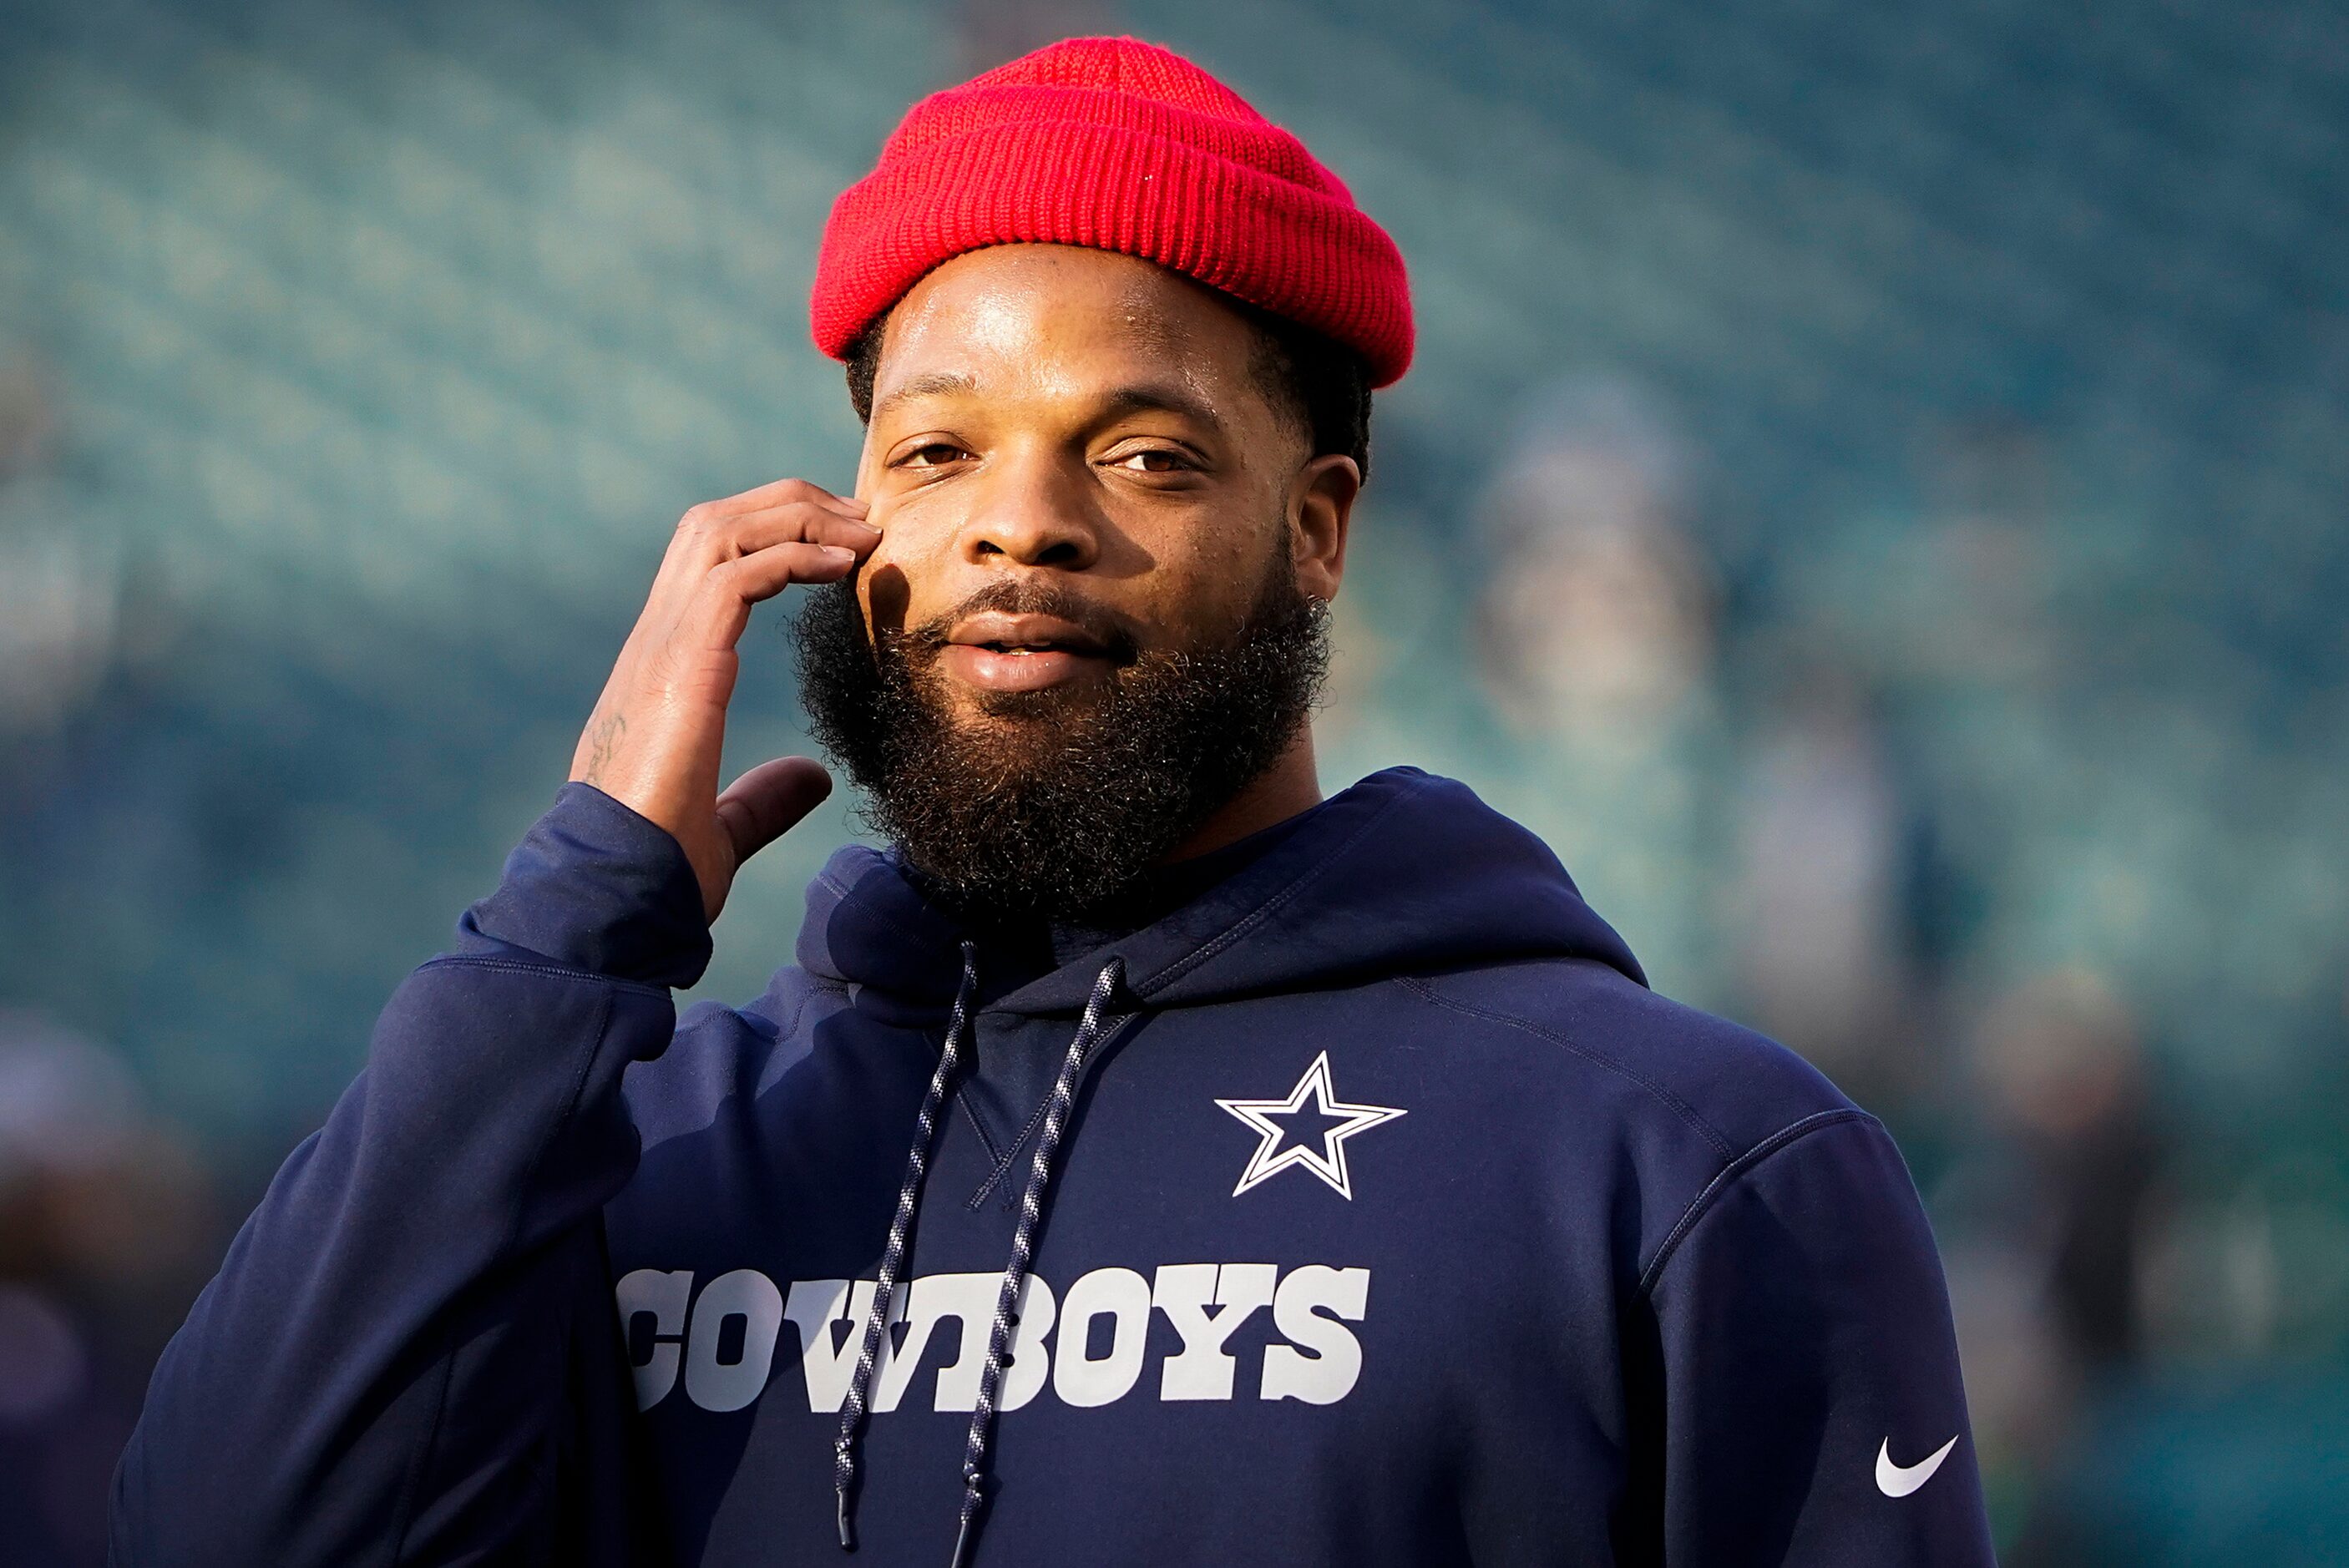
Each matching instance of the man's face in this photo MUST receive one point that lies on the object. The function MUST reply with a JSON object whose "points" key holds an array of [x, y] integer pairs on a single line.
{"points": [[1093, 616], [1078, 422]]}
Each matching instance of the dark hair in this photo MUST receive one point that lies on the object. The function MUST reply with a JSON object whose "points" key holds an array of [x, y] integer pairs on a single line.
{"points": [[1318, 381]]}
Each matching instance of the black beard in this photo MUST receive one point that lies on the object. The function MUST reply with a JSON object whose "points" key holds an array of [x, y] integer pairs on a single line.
{"points": [[1061, 798]]}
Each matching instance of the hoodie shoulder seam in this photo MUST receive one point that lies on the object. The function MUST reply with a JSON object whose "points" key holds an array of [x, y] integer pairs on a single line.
{"points": [[817, 987], [1679, 1106], [1736, 1171]]}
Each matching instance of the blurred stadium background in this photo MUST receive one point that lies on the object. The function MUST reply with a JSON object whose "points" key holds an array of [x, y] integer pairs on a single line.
{"points": [[1872, 494]]}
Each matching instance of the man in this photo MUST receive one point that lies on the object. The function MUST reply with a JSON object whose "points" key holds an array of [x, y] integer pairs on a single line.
{"points": [[1146, 1160]]}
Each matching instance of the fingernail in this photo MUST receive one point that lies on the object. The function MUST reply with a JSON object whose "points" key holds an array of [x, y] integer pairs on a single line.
{"points": [[839, 552], [859, 502]]}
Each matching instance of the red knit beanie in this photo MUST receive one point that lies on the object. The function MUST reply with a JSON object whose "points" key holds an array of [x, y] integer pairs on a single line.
{"points": [[1121, 146]]}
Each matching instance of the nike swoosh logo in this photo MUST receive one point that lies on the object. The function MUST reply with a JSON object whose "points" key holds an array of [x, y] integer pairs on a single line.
{"points": [[1899, 1481]]}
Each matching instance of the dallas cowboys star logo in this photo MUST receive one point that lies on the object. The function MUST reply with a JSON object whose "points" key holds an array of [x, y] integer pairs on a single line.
{"points": [[1329, 1124]]}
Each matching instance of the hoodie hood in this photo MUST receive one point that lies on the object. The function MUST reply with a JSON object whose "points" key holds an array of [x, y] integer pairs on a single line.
{"points": [[1405, 871]]}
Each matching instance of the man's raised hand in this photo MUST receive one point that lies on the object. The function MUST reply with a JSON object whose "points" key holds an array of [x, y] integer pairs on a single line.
{"points": [[654, 741]]}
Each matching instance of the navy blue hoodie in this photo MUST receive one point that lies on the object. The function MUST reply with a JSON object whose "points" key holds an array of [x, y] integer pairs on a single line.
{"points": [[1391, 1219]]}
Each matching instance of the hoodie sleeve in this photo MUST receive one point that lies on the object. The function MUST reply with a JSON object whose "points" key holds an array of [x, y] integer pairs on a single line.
{"points": [[409, 1355], [1812, 1409]]}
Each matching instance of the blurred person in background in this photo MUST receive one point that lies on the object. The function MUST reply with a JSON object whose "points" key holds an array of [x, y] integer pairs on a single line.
{"points": [[2064, 1066], [1823, 950], [2049, 1219], [1910, 681], [106, 1224], [1531, 1263], [1595, 642]]}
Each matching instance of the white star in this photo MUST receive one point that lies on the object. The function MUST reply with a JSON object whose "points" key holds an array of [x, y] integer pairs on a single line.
{"points": [[1328, 1161]]}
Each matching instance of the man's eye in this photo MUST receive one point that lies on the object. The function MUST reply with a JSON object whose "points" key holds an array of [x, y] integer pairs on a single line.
{"points": [[935, 455], [1154, 460]]}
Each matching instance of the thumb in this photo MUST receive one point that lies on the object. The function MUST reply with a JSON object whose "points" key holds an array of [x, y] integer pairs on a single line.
{"points": [[764, 804]]}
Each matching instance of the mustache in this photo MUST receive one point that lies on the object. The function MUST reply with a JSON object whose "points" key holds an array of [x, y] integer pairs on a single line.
{"points": [[1013, 598]]}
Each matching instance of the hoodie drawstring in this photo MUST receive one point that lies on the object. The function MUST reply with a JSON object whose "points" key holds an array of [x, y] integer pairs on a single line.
{"points": [[1041, 1171], [1023, 1244], [893, 1256]]}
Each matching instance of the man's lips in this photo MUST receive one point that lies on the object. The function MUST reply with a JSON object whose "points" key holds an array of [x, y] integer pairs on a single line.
{"points": [[994, 651]]}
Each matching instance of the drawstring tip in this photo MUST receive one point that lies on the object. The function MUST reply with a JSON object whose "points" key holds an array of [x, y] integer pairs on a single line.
{"points": [[962, 1543], [847, 1534]]}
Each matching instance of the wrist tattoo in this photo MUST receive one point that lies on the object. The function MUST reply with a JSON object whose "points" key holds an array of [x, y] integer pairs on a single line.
{"points": [[603, 739]]}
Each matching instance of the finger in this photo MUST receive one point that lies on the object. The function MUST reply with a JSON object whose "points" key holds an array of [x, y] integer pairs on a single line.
{"points": [[707, 536], [721, 605], [765, 803], [778, 492], [797, 521]]}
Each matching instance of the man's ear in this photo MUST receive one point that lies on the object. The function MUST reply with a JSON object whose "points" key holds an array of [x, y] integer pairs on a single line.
{"points": [[1321, 511]]}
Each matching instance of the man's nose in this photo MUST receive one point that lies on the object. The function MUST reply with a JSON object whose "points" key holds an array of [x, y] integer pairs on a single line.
{"points": [[1031, 513]]}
